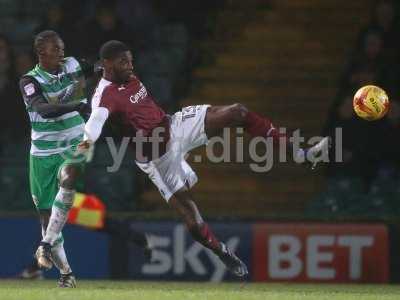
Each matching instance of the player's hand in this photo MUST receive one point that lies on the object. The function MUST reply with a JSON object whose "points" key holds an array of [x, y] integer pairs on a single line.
{"points": [[84, 147]]}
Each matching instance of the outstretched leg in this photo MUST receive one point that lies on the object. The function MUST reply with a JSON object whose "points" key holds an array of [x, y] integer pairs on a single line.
{"points": [[182, 202], [237, 115]]}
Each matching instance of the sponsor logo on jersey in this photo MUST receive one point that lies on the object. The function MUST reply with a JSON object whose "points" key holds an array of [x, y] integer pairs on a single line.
{"points": [[139, 95]]}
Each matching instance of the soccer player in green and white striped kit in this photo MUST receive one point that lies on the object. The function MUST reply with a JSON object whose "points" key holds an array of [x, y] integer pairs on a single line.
{"points": [[55, 98]]}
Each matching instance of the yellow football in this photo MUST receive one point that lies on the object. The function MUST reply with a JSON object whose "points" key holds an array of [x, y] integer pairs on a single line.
{"points": [[371, 103]]}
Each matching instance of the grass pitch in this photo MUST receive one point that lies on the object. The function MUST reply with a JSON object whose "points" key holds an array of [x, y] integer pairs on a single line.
{"points": [[114, 290]]}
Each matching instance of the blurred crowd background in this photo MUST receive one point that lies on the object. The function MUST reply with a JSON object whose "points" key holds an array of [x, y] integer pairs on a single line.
{"points": [[219, 52], [162, 38], [366, 182]]}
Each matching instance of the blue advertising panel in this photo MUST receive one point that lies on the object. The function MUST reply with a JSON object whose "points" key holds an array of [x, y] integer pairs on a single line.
{"points": [[178, 257], [87, 250]]}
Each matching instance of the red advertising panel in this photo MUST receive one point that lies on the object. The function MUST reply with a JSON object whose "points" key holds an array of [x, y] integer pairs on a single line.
{"points": [[314, 252]]}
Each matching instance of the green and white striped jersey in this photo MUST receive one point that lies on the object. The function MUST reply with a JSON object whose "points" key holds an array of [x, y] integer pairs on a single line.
{"points": [[56, 135]]}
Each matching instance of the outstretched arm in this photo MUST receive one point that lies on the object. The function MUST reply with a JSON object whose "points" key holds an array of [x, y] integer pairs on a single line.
{"points": [[47, 110], [93, 130], [33, 97], [102, 108], [95, 124]]}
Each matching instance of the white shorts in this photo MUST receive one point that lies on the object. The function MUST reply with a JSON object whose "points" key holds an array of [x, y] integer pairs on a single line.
{"points": [[171, 172]]}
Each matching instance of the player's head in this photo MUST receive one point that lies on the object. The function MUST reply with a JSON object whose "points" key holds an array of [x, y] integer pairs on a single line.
{"points": [[49, 48], [117, 61]]}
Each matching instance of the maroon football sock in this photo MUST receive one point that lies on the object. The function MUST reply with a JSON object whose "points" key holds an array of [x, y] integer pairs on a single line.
{"points": [[258, 126], [203, 234]]}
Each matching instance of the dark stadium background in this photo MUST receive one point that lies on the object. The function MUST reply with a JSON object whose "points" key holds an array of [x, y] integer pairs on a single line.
{"points": [[297, 61]]}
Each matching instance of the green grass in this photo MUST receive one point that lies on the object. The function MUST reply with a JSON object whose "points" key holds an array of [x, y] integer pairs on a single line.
{"points": [[114, 290]]}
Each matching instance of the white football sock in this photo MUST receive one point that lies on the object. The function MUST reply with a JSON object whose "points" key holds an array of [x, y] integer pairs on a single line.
{"points": [[59, 214], [60, 258]]}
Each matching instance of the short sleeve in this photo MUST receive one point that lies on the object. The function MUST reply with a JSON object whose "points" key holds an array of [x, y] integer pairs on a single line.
{"points": [[102, 97], [30, 90]]}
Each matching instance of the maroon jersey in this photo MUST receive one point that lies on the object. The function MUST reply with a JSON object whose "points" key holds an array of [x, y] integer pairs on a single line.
{"points": [[132, 109]]}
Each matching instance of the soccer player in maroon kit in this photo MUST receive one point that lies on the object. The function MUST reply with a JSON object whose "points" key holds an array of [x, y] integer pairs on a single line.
{"points": [[123, 99]]}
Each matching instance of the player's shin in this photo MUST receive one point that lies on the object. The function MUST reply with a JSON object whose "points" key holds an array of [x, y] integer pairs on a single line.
{"points": [[203, 234], [259, 126], [59, 214], [59, 257]]}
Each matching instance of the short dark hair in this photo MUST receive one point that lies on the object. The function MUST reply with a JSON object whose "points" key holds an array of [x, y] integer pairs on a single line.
{"points": [[112, 49], [42, 37]]}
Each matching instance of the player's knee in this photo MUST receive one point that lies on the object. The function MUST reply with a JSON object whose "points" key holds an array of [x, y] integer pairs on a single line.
{"points": [[68, 177], [238, 113], [67, 181]]}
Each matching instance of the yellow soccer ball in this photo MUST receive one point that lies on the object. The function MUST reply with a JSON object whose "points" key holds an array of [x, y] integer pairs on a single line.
{"points": [[371, 103]]}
